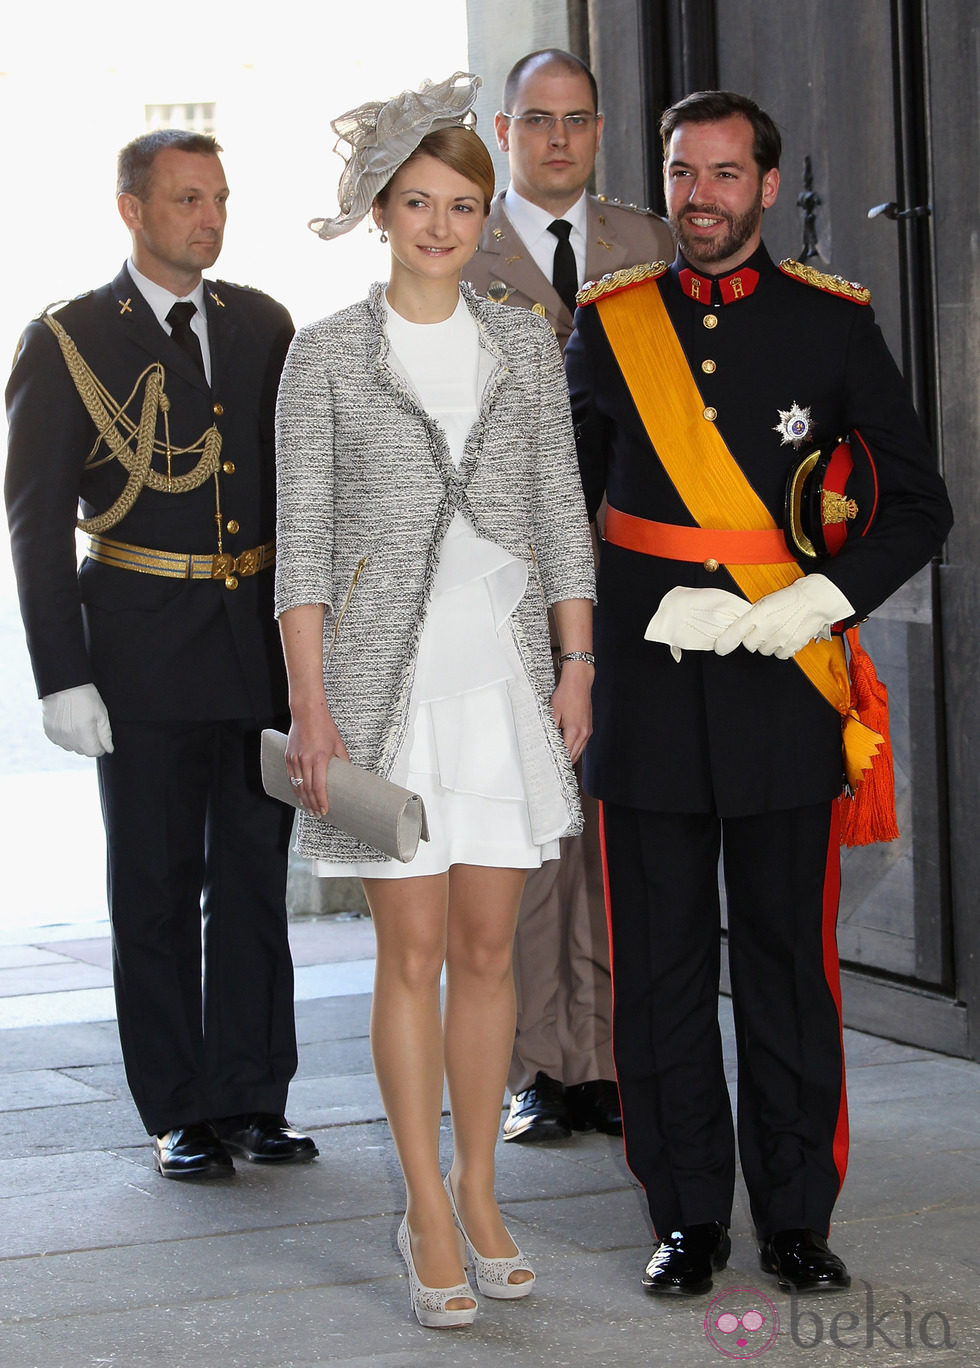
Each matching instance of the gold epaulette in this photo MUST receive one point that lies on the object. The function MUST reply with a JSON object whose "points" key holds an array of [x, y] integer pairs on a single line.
{"points": [[619, 280], [833, 284]]}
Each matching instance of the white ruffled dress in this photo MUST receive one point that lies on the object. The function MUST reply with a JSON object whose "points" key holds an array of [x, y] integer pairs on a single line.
{"points": [[461, 751]]}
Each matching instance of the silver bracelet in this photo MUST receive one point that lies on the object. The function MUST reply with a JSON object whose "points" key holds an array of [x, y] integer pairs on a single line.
{"points": [[587, 656]]}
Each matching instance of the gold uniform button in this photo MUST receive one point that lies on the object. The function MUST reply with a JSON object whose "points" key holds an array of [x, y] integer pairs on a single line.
{"points": [[232, 526], [710, 413], [709, 367], [231, 582], [228, 467], [710, 320], [711, 565], [218, 410]]}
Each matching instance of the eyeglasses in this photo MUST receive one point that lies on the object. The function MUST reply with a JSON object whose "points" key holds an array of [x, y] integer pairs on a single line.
{"points": [[544, 123]]}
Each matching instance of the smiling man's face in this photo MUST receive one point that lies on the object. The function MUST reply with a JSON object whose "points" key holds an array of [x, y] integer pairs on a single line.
{"points": [[716, 193]]}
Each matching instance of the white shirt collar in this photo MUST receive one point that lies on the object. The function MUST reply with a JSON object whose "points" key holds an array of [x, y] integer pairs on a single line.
{"points": [[161, 300], [531, 223]]}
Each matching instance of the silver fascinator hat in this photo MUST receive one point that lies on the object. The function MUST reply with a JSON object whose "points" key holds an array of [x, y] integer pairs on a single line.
{"points": [[383, 134]]}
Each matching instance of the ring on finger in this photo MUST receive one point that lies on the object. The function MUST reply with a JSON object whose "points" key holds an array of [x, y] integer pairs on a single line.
{"points": [[296, 783]]}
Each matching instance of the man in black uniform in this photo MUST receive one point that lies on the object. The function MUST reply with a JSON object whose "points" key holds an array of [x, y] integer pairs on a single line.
{"points": [[725, 370], [150, 402]]}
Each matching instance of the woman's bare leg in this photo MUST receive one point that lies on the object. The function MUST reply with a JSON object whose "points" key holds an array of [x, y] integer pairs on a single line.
{"points": [[406, 1045], [478, 1027]]}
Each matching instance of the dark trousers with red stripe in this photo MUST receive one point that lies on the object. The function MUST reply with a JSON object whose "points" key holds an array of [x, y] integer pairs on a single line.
{"points": [[782, 882]]}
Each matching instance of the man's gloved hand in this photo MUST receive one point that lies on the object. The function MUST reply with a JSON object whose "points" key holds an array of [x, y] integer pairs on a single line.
{"points": [[780, 624], [693, 619], [76, 720]]}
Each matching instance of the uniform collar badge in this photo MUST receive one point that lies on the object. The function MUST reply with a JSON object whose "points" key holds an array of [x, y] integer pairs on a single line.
{"points": [[125, 305], [731, 288], [794, 426], [220, 302]]}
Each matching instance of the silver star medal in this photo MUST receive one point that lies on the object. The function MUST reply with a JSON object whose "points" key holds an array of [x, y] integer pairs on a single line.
{"points": [[794, 425]]}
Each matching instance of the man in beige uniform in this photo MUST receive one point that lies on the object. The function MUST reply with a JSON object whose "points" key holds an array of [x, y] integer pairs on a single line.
{"points": [[544, 237]]}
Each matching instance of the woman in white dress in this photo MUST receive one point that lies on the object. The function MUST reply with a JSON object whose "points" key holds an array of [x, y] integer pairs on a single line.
{"points": [[429, 513]]}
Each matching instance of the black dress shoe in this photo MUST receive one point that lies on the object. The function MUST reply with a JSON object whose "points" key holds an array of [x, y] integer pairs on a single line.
{"points": [[682, 1263], [538, 1113], [191, 1152], [595, 1106], [803, 1261], [265, 1138]]}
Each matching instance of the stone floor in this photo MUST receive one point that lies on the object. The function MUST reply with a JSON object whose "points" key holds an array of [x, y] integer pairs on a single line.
{"points": [[104, 1263]]}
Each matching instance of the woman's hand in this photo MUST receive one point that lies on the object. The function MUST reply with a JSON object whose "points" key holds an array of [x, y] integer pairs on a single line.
{"points": [[313, 741], [571, 704], [313, 737]]}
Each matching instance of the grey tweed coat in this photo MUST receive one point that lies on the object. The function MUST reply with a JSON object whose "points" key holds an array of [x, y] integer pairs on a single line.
{"points": [[366, 493]]}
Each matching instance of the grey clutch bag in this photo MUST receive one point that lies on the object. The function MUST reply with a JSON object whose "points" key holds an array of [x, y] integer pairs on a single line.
{"points": [[372, 810]]}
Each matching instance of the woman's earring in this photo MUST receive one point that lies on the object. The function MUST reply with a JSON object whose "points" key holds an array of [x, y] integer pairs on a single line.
{"points": [[384, 235]]}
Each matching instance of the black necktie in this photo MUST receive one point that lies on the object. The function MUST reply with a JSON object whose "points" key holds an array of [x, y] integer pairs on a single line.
{"points": [[183, 334], [564, 275]]}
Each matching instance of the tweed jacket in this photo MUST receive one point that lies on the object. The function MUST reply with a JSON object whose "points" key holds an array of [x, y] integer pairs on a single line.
{"points": [[366, 493], [617, 235]]}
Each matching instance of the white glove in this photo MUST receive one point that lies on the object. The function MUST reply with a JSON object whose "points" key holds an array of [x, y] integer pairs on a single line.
{"points": [[782, 623], [692, 619], [76, 720]]}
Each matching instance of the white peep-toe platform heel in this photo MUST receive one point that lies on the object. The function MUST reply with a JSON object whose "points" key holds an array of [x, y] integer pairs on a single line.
{"points": [[493, 1275], [429, 1303]]}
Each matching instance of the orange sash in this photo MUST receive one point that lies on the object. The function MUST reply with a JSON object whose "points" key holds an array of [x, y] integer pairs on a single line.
{"points": [[713, 485]]}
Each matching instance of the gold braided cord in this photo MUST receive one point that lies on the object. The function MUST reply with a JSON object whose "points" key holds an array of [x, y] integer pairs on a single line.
{"points": [[118, 431], [618, 280], [834, 284]]}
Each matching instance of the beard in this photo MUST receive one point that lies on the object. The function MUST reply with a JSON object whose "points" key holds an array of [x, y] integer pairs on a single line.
{"points": [[740, 228]]}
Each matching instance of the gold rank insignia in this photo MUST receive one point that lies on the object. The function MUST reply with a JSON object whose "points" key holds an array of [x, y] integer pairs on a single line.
{"points": [[833, 284], [125, 305], [220, 302], [618, 280]]}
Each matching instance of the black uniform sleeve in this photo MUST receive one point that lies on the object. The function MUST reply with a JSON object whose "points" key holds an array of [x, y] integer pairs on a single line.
{"points": [[913, 514], [49, 436], [589, 423]]}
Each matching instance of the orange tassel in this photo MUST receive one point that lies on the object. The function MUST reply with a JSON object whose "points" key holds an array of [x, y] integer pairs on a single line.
{"points": [[868, 815]]}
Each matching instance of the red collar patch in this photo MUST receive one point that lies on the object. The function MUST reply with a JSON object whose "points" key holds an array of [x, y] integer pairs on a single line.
{"points": [[731, 288]]}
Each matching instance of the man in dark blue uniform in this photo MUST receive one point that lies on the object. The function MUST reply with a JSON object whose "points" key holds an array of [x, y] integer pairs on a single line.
{"points": [[150, 402], [731, 748]]}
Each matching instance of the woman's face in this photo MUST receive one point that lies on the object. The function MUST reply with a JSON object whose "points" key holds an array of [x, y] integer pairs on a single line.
{"points": [[433, 217]]}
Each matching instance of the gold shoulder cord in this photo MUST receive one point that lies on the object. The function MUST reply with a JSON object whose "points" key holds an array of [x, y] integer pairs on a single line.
{"points": [[833, 284], [118, 431], [618, 280]]}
